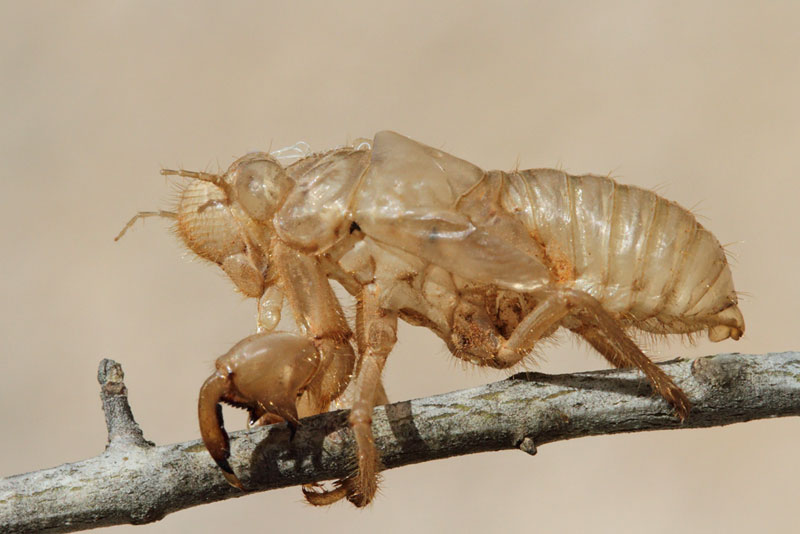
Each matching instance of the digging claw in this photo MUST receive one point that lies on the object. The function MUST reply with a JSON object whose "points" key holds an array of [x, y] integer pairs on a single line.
{"points": [[212, 427], [264, 374], [231, 477]]}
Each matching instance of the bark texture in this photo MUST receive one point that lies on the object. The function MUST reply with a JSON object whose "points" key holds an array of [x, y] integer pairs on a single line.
{"points": [[134, 481]]}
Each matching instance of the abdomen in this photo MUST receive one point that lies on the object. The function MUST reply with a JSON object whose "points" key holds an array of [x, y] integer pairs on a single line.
{"points": [[646, 259]]}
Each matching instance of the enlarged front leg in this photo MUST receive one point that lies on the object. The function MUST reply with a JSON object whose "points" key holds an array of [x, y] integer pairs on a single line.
{"points": [[319, 316], [263, 373], [281, 376]]}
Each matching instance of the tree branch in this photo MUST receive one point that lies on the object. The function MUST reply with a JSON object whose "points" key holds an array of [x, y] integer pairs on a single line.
{"points": [[134, 481]]}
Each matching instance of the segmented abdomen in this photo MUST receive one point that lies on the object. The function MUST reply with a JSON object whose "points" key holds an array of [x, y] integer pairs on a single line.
{"points": [[643, 257]]}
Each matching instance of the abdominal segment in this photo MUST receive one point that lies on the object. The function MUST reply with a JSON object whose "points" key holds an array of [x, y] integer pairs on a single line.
{"points": [[646, 259]]}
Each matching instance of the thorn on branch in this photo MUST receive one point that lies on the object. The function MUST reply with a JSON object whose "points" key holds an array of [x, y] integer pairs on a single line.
{"points": [[527, 445], [123, 431]]}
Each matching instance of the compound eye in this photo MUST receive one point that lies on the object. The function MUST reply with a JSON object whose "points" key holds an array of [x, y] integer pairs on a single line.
{"points": [[259, 185]]}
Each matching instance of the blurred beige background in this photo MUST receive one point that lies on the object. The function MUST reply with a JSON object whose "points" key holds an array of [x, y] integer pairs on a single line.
{"points": [[699, 100]]}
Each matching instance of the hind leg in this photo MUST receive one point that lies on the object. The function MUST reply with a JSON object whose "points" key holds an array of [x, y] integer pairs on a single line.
{"points": [[489, 348], [475, 338], [604, 334]]}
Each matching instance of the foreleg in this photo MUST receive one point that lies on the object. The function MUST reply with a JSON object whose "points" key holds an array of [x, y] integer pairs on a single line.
{"points": [[319, 316], [263, 373]]}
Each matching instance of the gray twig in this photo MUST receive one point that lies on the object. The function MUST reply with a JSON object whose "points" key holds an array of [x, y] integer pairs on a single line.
{"points": [[123, 431], [134, 481]]}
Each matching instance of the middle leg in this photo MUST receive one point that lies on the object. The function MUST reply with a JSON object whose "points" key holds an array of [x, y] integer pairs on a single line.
{"points": [[376, 334]]}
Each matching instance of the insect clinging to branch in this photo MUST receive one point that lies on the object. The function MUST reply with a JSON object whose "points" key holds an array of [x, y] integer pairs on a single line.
{"points": [[492, 262]]}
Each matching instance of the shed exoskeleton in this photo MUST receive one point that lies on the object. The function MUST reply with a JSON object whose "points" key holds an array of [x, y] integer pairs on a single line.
{"points": [[492, 262]]}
